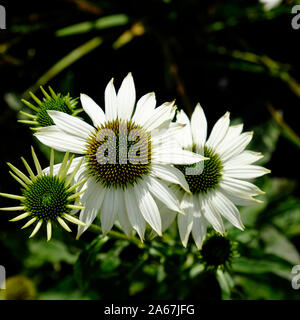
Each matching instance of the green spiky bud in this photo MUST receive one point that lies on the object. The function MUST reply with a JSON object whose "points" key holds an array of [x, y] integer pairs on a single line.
{"points": [[45, 197], [218, 251], [52, 101]]}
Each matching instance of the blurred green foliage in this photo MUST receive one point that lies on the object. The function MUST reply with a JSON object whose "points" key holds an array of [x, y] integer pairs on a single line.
{"points": [[227, 55]]}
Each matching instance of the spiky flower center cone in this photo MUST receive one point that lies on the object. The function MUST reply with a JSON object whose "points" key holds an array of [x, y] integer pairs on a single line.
{"points": [[204, 176], [58, 103], [217, 252], [47, 198], [119, 153], [52, 101]]}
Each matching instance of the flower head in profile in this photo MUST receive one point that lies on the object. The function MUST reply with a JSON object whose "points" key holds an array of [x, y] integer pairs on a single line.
{"points": [[46, 198], [127, 157], [52, 101], [219, 184]]}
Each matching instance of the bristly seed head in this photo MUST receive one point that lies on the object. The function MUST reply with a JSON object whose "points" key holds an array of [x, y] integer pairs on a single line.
{"points": [[59, 103], [218, 251], [52, 101], [47, 198], [119, 153], [208, 178]]}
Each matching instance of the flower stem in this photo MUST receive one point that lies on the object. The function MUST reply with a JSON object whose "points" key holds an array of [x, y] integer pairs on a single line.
{"points": [[287, 131], [117, 235]]}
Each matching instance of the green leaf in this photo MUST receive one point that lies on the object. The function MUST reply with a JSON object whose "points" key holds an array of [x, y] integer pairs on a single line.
{"points": [[109, 262], [42, 252], [111, 21], [100, 24], [136, 287], [277, 188], [287, 217], [161, 273], [263, 287], [77, 28], [251, 266], [226, 283], [196, 270], [277, 244]]}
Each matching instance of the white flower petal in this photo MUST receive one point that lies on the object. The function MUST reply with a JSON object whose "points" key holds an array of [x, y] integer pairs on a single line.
{"points": [[109, 210], [158, 142], [218, 132], [167, 216], [161, 114], [163, 193], [167, 138], [134, 215], [122, 214], [211, 214], [235, 147], [239, 199], [185, 139], [245, 171], [236, 186], [144, 108], [232, 133], [126, 98], [170, 174], [148, 207], [175, 156], [227, 209], [71, 125], [61, 141], [244, 158], [92, 200], [199, 126], [173, 132], [111, 104], [199, 224], [185, 221], [92, 109]]}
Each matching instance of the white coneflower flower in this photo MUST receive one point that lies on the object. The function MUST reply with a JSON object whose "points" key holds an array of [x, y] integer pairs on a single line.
{"points": [[46, 197], [52, 101], [127, 157], [217, 184]]}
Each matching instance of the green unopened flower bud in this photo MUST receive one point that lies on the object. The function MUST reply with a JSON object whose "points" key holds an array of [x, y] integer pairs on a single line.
{"points": [[46, 198], [218, 251], [52, 101]]}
